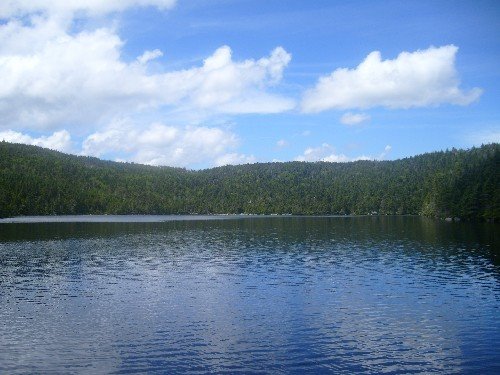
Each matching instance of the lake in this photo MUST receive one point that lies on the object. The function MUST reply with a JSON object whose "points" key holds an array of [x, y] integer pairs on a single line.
{"points": [[249, 295]]}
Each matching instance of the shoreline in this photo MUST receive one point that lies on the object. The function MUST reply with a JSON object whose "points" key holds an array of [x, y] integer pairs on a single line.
{"points": [[154, 218]]}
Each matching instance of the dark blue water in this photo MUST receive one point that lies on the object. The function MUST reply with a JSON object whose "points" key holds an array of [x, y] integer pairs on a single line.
{"points": [[251, 295]]}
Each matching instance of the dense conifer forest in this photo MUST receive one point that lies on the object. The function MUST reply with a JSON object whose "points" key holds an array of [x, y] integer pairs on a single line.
{"points": [[456, 183]]}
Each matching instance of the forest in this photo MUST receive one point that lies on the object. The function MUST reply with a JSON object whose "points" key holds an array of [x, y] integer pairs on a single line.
{"points": [[454, 183]]}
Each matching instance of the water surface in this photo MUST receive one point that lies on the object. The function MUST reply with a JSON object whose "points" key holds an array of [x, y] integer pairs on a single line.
{"points": [[249, 295]]}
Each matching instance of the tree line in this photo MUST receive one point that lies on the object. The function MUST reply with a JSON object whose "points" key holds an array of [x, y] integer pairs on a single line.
{"points": [[452, 183]]}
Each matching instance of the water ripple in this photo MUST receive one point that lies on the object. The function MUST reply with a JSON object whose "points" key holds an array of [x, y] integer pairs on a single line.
{"points": [[281, 295]]}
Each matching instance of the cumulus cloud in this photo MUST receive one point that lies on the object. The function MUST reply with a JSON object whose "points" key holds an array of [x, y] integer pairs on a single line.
{"points": [[326, 152], [51, 77], [413, 79], [234, 87], [160, 144], [60, 140], [234, 159], [54, 78], [156, 144], [354, 118]]}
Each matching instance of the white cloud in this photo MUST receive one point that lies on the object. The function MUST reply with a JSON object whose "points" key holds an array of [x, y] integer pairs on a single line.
{"points": [[235, 87], [384, 153], [56, 78], [413, 79], [11, 8], [148, 56], [326, 152], [160, 144], [52, 78], [354, 118], [60, 140], [234, 159]]}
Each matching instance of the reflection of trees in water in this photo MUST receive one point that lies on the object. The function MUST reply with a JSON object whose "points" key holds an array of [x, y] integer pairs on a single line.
{"points": [[285, 228], [403, 236]]}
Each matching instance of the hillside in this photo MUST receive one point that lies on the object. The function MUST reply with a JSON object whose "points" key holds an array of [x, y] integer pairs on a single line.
{"points": [[458, 183]]}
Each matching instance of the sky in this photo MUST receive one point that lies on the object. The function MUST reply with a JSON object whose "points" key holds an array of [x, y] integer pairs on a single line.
{"points": [[204, 83]]}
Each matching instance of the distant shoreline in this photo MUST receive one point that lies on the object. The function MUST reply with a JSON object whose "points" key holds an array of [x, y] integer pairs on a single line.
{"points": [[141, 218], [138, 218]]}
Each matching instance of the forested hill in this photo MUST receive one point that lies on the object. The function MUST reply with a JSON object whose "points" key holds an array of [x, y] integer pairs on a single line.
{"points": [[457, 183]]}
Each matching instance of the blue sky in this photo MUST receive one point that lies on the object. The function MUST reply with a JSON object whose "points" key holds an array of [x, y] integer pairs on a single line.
{"points": [[204, 83]]}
